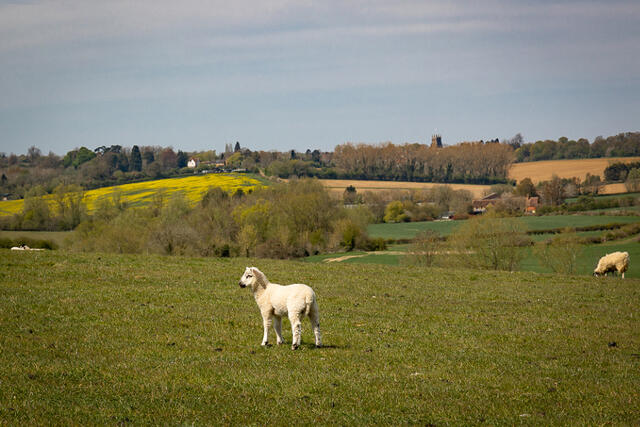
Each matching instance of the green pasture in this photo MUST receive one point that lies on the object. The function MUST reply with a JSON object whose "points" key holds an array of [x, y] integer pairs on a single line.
{"points": [[589, 257], [408, 230], [95, 339]]}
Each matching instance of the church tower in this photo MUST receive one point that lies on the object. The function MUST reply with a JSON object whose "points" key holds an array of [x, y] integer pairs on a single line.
{"points": [[436, 141]]}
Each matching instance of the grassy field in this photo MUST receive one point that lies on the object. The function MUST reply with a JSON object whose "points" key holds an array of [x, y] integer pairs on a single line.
{"points": [[586, 261], [408, 230], [108, 339], [142, 193]]}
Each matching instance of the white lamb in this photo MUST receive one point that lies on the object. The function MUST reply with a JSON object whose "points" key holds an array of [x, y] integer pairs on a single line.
{"points": [[276, 301], [616, 261]]}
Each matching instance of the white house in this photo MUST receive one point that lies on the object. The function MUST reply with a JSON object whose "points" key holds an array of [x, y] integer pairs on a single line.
{"points": [[193, 163]]}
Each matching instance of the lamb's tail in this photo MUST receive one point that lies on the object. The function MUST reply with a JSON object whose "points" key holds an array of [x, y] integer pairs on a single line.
{"points": [[309, 302]]}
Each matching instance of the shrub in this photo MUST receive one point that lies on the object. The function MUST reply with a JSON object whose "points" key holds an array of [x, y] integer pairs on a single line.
{"points": [[561, 253], [489, 242], [424, 249]]}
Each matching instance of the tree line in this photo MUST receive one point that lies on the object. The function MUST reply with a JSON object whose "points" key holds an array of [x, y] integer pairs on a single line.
{"points": [[622, 145], [472, 162], [467, 162]]}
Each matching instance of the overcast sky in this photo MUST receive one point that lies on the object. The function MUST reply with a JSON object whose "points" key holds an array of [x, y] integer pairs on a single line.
{"points": [[196, 74]]}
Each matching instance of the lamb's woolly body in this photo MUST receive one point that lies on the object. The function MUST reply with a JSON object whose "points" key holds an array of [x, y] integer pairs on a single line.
{"points": [[276, 301], [616, 261]]}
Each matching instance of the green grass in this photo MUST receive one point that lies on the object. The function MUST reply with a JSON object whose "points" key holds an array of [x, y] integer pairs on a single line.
{"points": [[116, 339], [408, 230], [589, 257]]}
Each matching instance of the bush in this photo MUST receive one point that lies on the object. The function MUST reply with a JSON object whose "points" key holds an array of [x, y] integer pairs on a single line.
{"points": [[489, 242], [561, 253], [424, 249]]}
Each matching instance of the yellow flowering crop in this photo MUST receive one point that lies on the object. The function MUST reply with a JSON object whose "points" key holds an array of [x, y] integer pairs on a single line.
{"points": [[141, 193]]}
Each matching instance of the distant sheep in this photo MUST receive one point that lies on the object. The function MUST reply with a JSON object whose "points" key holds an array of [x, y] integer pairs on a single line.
{"points": [[24, 248], [616, 261], [276, 301]]}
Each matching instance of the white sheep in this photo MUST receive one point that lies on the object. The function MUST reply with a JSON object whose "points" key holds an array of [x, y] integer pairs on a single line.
{"points": [[25, 248], [275, 301], [616, 261]]}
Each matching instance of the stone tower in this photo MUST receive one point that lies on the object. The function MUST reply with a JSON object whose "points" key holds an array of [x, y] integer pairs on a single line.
{"points": [[436, 141]]}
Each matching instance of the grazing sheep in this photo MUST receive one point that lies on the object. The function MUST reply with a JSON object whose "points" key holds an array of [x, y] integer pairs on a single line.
{"points": [[276, 301], [24, 248], [616, 261]]}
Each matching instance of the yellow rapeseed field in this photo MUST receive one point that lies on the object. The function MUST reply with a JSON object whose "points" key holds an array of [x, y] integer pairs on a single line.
{"points": [[141, 193]]}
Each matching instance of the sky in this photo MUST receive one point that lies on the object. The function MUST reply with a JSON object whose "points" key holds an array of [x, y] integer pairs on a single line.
{"points": [[282, 75]]}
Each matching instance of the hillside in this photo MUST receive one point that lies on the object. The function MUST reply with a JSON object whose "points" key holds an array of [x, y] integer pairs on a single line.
{"points": [[142, 193], [101, 339]]}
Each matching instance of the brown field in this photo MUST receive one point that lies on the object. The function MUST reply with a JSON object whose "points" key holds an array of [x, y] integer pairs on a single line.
{"points": [[337, 186], [537, 171], [543, 171]]}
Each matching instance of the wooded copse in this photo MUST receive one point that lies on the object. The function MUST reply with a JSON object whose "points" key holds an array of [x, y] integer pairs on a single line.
{"points": [[471, 163], [626, 144]]}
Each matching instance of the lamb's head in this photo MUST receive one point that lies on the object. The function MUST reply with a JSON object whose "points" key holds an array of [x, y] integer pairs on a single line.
{"points": [[252, 278]]}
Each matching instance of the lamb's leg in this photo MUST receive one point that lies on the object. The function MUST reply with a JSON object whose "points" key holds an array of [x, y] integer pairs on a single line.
{"points": [[266, 323], [296, 329], [314, 317], [277, 325]]}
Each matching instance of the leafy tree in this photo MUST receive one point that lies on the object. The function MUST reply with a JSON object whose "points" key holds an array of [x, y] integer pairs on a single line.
{"points": [[489, 242], [77, 157], [168, 158], [148, 156], [70, 206], [552, 192], [592, 184], [36, 214], [123, 162], [633, 180], [561, 253], [315, 156], [182, 159], [525, 188], [394, 212], [136, 159]]}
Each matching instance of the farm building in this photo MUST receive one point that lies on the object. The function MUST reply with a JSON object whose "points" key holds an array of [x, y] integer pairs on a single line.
{"points": [[480, 205], [532, 205]]}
